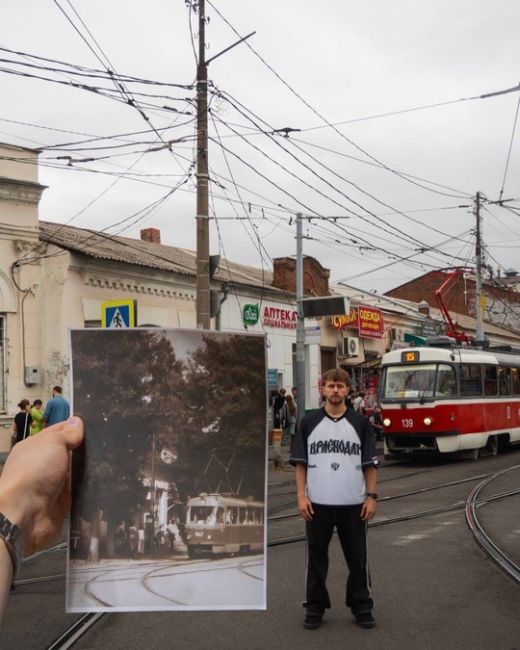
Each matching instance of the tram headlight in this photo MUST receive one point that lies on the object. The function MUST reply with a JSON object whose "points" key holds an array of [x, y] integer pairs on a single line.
{"points": [[387, 422], [427, 422]]}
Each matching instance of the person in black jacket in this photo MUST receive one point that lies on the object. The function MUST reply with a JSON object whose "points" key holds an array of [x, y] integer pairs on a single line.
{"points": [[278, 402], [22, 421]]}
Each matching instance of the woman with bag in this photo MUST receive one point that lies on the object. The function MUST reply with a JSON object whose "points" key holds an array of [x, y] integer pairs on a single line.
{"points": [[22, 422]]}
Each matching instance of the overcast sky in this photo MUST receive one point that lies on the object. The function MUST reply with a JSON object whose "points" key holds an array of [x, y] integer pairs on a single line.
{"points": [[399, 175]]}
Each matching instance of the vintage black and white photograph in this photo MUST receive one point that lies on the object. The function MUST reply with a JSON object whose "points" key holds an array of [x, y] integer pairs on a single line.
{"points": [[169, 487]]}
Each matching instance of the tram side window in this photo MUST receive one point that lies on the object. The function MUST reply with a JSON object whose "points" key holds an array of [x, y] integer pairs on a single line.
{"points": [[515, 380], [446, 382], [470, 380], [490, 381], [504, 381], [232, 515]]}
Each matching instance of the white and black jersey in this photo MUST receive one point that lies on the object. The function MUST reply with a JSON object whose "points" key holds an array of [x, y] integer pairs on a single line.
{"points": [[335, 450]]}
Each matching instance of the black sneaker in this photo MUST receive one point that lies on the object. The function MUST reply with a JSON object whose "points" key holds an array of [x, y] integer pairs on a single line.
{"points": [[366, 620], [313, 620]]}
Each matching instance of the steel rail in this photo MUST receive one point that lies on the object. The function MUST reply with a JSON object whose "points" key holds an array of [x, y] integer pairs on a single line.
{"points": [[393, 496], [481, 537], [75, 631]]}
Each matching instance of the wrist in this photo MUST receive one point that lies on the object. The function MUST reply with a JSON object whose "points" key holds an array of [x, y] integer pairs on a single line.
{"points": [[11, 537], [15, 505], [371, 495]]}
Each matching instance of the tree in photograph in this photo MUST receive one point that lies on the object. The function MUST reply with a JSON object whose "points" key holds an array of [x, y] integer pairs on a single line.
{"points": [[225, 398], [127, 385]]}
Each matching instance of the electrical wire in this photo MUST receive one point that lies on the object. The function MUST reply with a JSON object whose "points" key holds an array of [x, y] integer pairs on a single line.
{"points": [[314, 159], [509, 150], [317, 113]]}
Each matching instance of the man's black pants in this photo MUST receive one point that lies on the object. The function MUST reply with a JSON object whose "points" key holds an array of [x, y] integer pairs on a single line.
{"points": [[352, 536]]}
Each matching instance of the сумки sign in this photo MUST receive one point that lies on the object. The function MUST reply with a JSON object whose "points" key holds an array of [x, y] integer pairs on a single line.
{"points": [[367, 320]]}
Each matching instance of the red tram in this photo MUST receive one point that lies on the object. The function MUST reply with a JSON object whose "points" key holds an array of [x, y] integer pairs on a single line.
{"points": [[221, 524], [449, 399]]}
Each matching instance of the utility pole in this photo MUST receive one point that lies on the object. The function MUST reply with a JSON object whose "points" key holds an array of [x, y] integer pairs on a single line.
{"points": [[203, 259], [203, 295], [479, 328], [300, 323]]}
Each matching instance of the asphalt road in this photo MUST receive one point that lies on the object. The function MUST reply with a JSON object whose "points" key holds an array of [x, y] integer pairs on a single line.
{"points": [[433, 586]]}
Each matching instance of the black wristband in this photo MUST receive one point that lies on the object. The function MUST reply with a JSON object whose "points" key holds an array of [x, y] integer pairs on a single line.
{"points": [[372, 494], [11, 536]]}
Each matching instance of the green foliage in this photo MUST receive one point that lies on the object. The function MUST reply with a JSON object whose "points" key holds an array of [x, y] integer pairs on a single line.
{"points": [[124, 385], [208, 409]]}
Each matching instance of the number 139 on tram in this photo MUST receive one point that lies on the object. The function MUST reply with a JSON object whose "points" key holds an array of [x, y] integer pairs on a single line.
{"points": [[449, 399]]}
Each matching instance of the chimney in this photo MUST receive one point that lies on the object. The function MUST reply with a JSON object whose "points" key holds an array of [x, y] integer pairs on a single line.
{"points": [[153, 235], [424, 308]]}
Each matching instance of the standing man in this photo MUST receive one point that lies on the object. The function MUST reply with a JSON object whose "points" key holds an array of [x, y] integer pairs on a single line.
{"points": [[57, 409], [278, 403], [335, 460]]}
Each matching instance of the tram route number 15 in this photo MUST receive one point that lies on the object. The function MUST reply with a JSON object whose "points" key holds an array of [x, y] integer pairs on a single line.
{"points": [[407, 423]]}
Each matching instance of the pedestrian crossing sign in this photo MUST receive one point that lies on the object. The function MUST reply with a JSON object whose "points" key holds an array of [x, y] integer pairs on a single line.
{"points": [[119, 314]]}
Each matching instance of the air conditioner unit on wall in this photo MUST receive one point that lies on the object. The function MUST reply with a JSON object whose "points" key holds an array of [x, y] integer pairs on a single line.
{"points": [[350, 346]]}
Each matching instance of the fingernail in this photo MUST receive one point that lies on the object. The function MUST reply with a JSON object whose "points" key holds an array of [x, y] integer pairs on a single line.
{"points": [[74, 420]]}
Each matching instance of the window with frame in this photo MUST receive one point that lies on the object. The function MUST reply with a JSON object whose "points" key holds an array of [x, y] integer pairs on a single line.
{"points": [[515, 380], [504, 381], [470, 380], [490, 381]]}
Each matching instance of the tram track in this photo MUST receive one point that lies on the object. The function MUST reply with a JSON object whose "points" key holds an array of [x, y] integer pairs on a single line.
{"points": [[483, 539], [392, 497], [83, 625]]}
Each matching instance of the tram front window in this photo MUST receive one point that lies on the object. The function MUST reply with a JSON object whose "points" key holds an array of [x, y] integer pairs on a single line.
{"points": [[421, 381], [209, 515]]}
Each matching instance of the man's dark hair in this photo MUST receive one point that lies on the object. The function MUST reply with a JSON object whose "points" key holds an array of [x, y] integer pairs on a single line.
{"points": [[336, 374], [58, 389]]}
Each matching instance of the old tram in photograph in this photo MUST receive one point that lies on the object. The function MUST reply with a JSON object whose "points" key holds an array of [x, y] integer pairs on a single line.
{"points": [[449, 399], [219, 524]]}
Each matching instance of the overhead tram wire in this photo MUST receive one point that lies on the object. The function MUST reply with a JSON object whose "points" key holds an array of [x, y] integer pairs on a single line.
{"points": [[317, 113], [343, 207], [92, 72], [106, 63], [314, 159], [141, 214], [246, 213], [457, 193], [510, 148], [74, 73]]}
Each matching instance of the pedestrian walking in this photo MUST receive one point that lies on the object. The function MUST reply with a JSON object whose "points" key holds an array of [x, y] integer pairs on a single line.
{"points": [[288, 420], [22, 422], [278, 402], [376, 420], [37, 417], [57, 409], [335, 459]]}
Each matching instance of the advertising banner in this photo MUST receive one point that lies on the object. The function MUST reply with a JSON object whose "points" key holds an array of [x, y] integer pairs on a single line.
{"points": [[370, 322]]}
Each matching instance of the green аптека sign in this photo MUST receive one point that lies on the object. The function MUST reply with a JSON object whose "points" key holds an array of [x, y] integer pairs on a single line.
{"points": [[251, 314]]}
